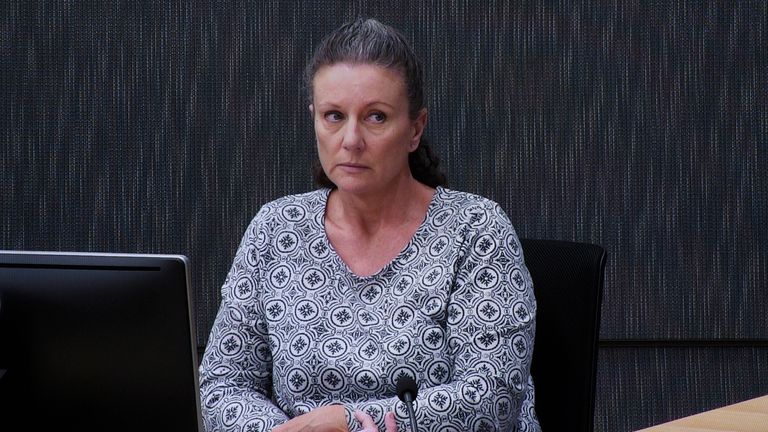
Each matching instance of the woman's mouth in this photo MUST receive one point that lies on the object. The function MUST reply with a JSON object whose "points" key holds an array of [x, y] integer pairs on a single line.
{"points": [[352, 167]]}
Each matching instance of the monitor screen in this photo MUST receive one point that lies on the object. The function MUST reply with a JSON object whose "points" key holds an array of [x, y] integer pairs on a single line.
{"points": [[96, 342]]}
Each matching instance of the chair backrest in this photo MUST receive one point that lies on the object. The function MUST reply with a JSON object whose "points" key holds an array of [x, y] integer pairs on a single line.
{"points": [[568, 283]]}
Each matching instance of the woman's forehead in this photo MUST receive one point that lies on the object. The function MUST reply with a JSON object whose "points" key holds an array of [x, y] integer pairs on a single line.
{"points": [[358, 80]]}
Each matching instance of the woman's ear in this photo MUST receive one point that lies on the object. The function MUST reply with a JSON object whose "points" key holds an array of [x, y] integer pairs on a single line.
{"points": [[311, 110], [418, 129]]}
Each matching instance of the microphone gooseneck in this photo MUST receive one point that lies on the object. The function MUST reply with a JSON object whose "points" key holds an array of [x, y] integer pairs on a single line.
{"points": [[406, 392]]}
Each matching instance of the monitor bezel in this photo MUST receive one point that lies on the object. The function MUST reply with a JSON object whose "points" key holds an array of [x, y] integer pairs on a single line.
{"points": [[183, 259]]}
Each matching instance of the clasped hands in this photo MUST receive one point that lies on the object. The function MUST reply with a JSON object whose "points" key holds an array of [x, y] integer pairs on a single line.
{"points": [[333, 418]]}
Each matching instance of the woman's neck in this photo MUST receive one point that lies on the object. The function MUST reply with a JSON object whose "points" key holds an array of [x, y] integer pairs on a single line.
{"points": [[368, 214]]}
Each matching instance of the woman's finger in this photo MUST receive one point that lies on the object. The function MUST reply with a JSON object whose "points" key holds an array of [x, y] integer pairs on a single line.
{"points": [[366, 422], [389, 422]]}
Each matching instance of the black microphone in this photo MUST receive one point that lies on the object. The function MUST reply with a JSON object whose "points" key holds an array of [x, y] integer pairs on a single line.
{"points": [[407, 391]]}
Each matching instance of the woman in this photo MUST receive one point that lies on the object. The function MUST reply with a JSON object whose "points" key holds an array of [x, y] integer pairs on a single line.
{"points": [[336, 294]]}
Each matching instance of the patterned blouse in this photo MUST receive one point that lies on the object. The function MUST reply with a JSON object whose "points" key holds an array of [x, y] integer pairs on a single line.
{"points": [[297, 329]]}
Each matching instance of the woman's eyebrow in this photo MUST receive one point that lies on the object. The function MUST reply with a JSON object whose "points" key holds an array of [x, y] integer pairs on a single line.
{"points": [[329, 104], [380, 103]]}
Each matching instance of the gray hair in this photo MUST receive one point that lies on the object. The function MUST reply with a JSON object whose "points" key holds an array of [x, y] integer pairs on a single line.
{"points": [[370, 42]]}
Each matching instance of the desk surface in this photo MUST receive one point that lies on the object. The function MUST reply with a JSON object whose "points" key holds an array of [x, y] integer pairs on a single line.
{"points": [[747, 416]]}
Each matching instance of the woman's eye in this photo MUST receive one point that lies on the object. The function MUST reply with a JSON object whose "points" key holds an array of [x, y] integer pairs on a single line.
{"points": [[333, 116], [377, 117]]}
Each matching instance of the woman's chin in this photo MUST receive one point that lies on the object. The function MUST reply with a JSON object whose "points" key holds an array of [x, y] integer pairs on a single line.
{"points": [[354, 189], [355, 186]]}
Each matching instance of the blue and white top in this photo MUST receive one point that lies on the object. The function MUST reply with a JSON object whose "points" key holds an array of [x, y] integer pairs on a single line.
{"points": [[297, 329]]}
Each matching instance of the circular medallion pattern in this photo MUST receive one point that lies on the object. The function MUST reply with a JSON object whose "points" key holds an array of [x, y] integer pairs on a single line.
{"points": [[309, 331]]}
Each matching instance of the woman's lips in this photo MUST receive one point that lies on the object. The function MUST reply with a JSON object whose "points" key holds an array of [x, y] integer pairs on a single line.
{"points": [[352, 167]]}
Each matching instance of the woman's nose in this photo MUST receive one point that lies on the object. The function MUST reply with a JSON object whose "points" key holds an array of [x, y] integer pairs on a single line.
{"points": [[352, 139]]}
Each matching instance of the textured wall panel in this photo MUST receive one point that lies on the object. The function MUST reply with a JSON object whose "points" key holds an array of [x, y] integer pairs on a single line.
{"points": [[641, 387], [163, 127], [642, 126]]}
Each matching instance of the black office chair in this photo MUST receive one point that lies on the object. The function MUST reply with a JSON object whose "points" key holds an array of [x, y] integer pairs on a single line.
{"points": [[568, 283]]}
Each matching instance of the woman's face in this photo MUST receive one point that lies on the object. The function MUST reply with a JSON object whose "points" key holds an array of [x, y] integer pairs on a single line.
{"points": [[362, 125]]}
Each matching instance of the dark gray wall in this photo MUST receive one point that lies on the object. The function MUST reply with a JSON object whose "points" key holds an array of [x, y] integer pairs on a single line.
{"points": [[641, 126]]}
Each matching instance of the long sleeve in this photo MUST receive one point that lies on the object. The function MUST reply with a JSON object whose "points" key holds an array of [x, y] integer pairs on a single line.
{"points": [[298, 330], [489, 333], [236, 370]]}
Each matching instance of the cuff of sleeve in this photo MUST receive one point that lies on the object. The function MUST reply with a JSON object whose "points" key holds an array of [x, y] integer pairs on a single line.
{"points": [[352, 424]]}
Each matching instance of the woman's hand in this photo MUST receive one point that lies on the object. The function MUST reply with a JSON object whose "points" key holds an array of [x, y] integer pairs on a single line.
{"points": [[369, 426], [331, 418]]}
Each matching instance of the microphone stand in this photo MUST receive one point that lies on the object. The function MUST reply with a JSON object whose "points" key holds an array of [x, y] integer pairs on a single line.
{"points": [[409, 408]]}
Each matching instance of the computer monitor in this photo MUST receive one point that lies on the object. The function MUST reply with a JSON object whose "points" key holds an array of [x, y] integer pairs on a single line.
{"points": [[96, 342]]}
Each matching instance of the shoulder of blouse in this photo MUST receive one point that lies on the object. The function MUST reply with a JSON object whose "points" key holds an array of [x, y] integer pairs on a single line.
{"points": [[303, 205], [471, 208], [306, 199]]}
